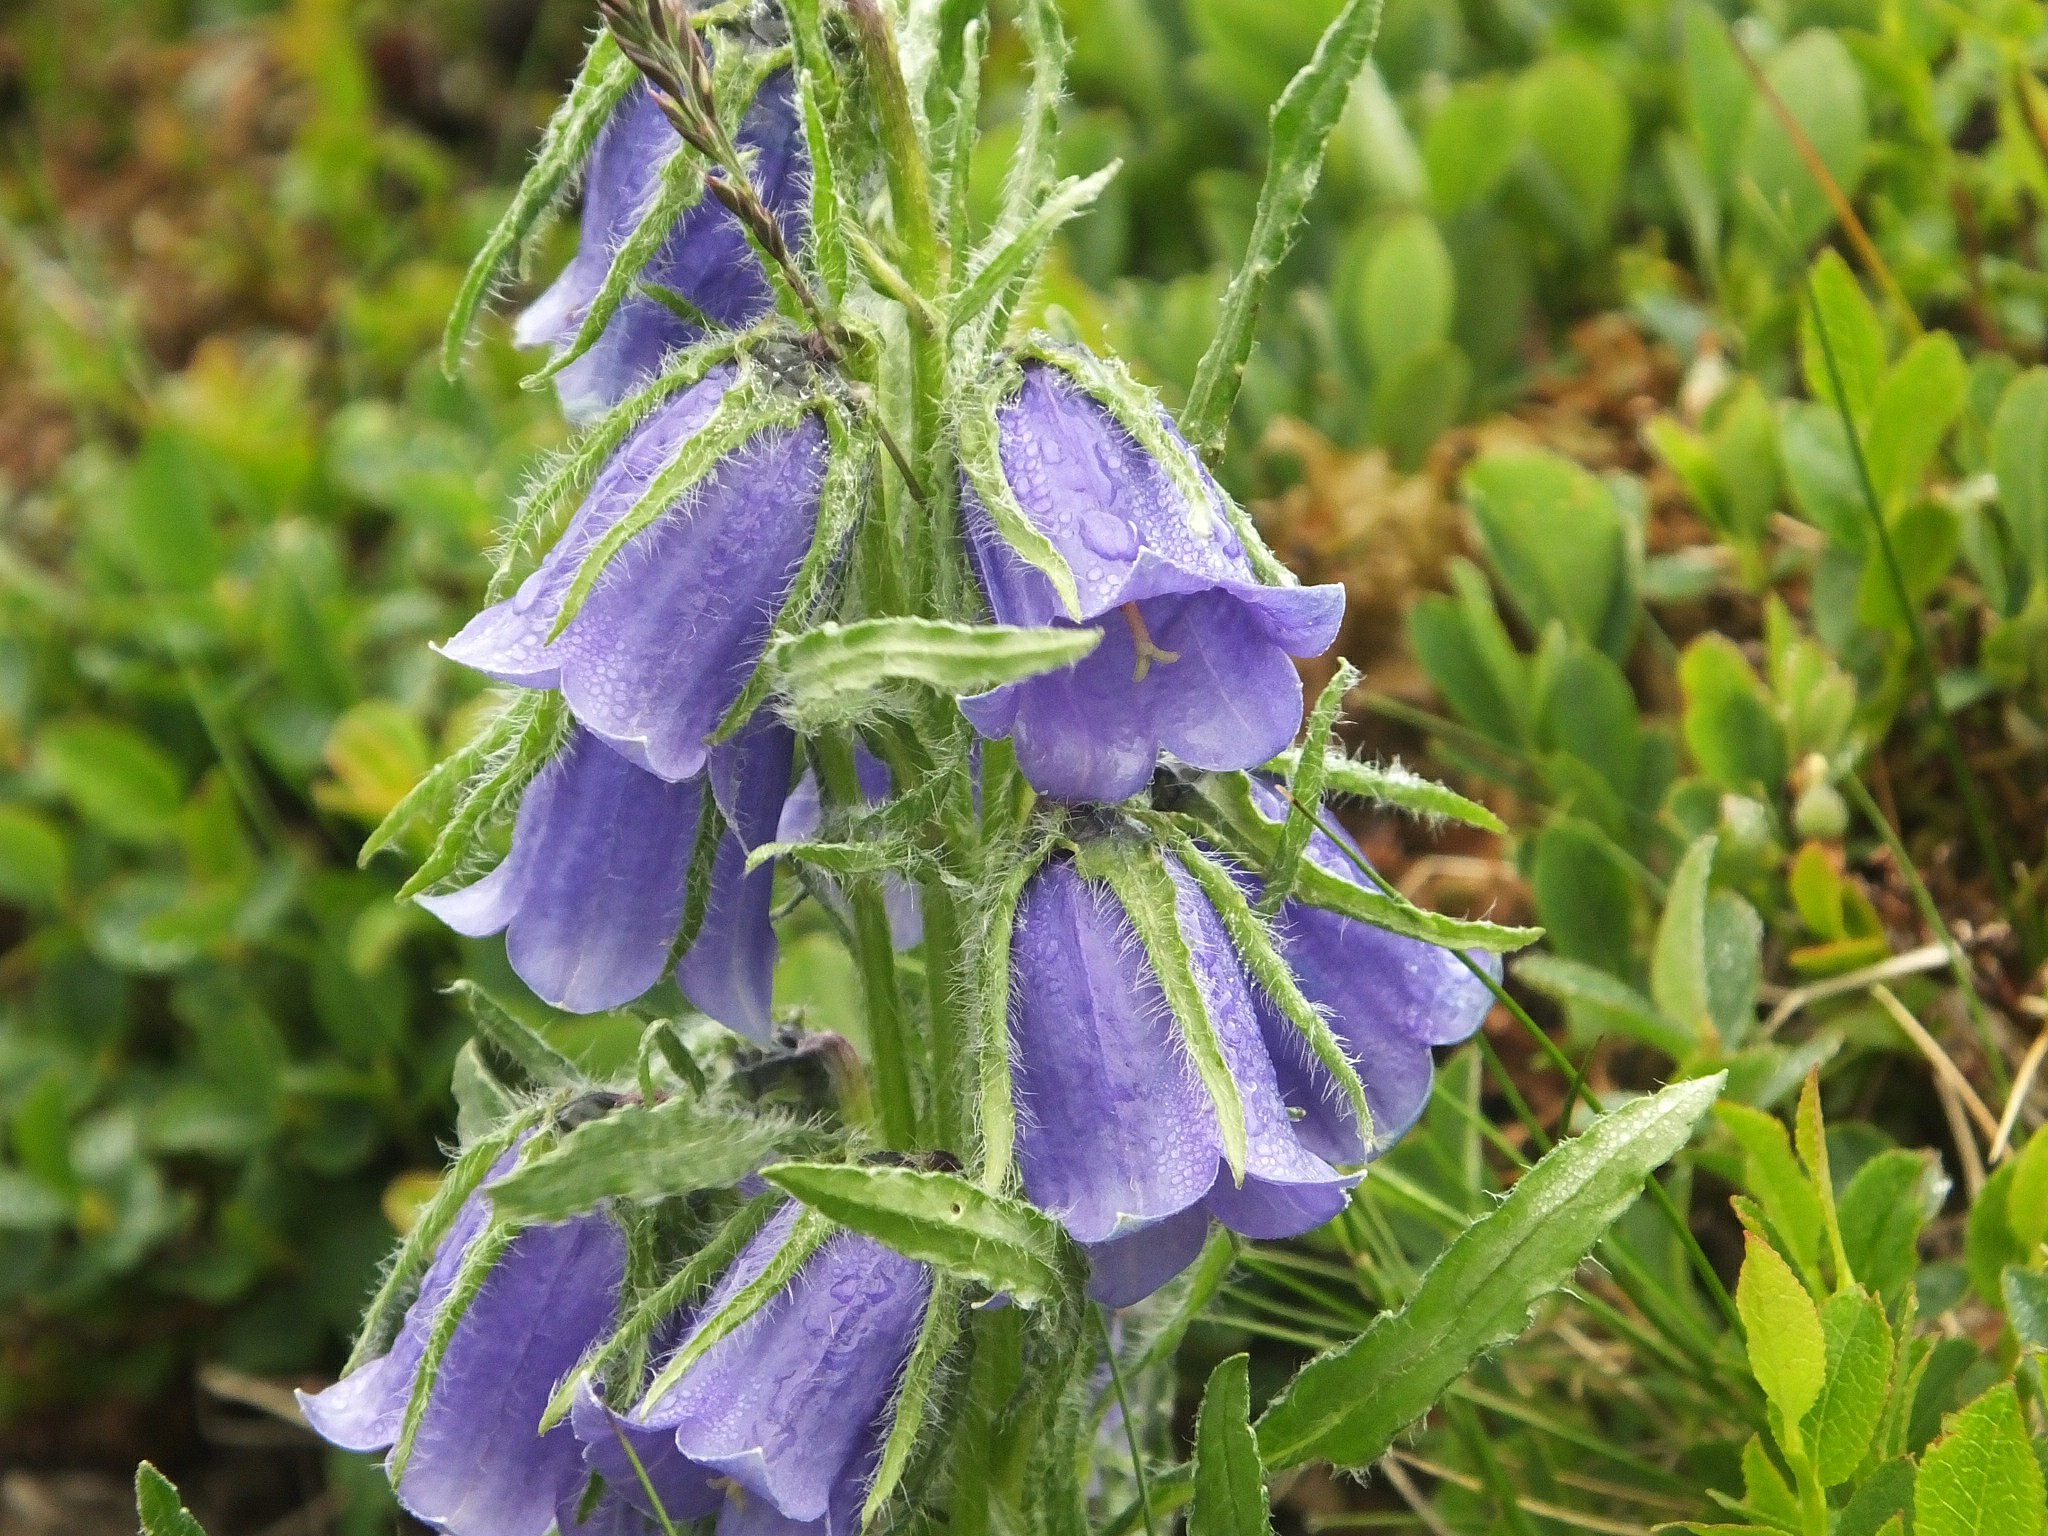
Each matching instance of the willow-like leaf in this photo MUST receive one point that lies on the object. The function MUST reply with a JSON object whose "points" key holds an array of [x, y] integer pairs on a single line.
{"points": [[1306, 791], [837, 672], [538, 1059], [914, 1395], [603, 82], [1000, 270], [492, 796], [1148, 895], [1391, 784], [642, 1152], [804, 1239], [1300, 131], [477, 1263], [433, 799], [998, 1109]]}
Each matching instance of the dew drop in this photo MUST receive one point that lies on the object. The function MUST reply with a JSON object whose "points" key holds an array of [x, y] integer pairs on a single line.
{"points": [[1108, 535]]}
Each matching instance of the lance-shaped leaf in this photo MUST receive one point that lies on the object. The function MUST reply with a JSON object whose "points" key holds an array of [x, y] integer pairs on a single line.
{"points": [[547, 501], [517, 1039], [1347, 1406], [1230, 1481], [941, 1219], [158, 1507], [838, 672], [402, 1276], [1262, 958], [511, 754], [1345, 777], [998, 1108], [805, 1239], [478, 1261], [434, 798], [642, 1152], [1000, 271], [1031, 168], [607, 75], [679, 187], [1305, 793], [661, 1305], [1300, 130], [1145, 890], [914, 1395]]}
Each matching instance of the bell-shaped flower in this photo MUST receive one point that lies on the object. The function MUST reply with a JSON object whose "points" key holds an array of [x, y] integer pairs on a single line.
{"points": [[666, 639], [591, 896], [1195, 651], [1117, 1136], [1388, 999], [479, 1466], [705, 258], [780, 1423]]}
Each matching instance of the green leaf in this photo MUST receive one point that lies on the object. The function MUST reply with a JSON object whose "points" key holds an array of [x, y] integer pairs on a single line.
{"points": [[1470, 144], [1678, 965], [1298, 131], [1880, 1502], [1980, 1478], [940, 1219], [1774, 1176], [159, 1508], [641, 1152], [1988, 1241], [921, 1374], [1230, 1482], [2026, 1306], [1853, 330], [1859, 1372], [1576, 119], [2027, 1203], [1347, 1406], [1815, 76], [1305, 790], [2019, 456], [1346, 777], [1558, 542], [35, 864], [477, 788], [1730, 728], [517, 1039], [836, 672], [1600, 1004], [1764, 1488], [1420, 398], [1001, 269], [1882, 1213], [114, 776], [1586, 897], [1788, 1353], [1408, 292], [1916, 405], [571, 133]]}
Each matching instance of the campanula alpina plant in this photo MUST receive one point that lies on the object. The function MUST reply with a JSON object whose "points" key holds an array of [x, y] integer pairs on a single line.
{"points": [[971, 593]]}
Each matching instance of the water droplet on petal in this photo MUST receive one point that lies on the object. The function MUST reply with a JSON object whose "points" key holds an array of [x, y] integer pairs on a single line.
{"points": [[1109, 535]]}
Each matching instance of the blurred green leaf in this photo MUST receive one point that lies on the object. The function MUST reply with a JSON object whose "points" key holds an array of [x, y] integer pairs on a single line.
{"points": [[114, 777], [35, 864], [1557, 541], [1817, 80]]}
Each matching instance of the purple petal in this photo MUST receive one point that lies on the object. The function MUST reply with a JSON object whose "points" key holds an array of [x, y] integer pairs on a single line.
{"points": [[1094, 731], [684, 1488], [600, 862], [1114, 1130], [364, 1410], [1125, 1270], [479, 1467], [729, 971], [792, 1400], [705, 257]]}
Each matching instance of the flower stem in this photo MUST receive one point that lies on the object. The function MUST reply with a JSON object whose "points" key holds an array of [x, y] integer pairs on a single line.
{"points": [[874, 956]]}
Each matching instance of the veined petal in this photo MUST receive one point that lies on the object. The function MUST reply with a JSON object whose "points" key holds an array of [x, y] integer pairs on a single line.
{"points": [[729, 971]]}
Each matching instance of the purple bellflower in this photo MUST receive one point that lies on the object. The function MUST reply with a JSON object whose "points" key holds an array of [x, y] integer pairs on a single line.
{"points": [[1195, 650], [705, 259], [1117, 1136], [667, 639], [479, 1467], [1388, 999], [591, 896], [779, 1425]]}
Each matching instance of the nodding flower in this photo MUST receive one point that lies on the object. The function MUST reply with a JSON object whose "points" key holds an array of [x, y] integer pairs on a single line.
{"points": [[479, 1466], [779, 1424], [1195, 652], [705, 258], [673, 628], [591, 896]]}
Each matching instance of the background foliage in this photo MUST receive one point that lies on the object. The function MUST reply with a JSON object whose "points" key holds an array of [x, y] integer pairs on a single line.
{"points": [[1554, 383]]}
